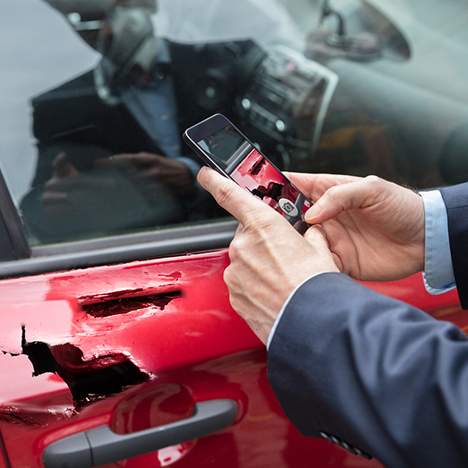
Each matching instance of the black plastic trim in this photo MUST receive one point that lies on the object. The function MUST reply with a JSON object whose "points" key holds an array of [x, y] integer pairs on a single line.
{"points": [[142, 237], [13, 242], [122, 249]]}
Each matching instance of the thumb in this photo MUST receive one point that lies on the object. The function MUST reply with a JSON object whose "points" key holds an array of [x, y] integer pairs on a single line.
{"points": [[341, 198], [245, 207]]}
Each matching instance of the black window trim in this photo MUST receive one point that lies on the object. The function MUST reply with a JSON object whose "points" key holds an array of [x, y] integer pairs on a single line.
{"points": [[122, 249], [13, 242], [18, 259]]}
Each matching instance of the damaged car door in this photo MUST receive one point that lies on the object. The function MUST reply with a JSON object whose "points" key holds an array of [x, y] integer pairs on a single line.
{"points": [[118, 345], [114, 362]]}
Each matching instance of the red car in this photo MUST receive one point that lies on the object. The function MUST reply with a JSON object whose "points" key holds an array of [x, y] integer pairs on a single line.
{"points": [[118, 343]]}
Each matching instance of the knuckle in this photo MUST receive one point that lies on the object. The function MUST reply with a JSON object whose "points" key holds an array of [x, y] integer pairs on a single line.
{"points": [[251, 226], [227, 276], [235, 249], [251, 217], [234, 301], [332, 193], [373, 180], [224, 194], [238, 245]]}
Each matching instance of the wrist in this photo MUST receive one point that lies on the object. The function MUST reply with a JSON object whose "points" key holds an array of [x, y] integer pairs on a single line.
{"points": [[285, 305]]}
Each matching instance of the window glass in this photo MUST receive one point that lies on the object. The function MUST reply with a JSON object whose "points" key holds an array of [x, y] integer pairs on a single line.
{"points": [[96, 94]]}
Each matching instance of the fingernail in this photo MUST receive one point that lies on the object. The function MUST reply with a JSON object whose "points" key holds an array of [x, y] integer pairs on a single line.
{"points": [[312, 213], [202, 176], [201, 171]]}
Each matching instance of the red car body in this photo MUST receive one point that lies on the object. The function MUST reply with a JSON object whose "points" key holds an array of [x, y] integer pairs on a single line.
{"points": [[169, 323]]}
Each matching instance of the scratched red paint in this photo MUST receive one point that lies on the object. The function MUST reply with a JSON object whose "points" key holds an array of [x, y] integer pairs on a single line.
{"points": [[196, 343]]}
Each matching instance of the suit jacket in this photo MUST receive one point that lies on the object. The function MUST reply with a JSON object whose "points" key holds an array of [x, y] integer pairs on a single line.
{"points": [[72, 119], [375, 375], [73, 114]]}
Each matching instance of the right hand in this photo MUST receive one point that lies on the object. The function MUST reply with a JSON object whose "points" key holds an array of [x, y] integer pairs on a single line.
{"points": [[269, 258], [375, 228]]}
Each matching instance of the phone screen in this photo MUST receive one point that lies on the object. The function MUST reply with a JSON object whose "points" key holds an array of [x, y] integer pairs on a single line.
{"points": [[262, 179], [246, 165], [226, 146]]}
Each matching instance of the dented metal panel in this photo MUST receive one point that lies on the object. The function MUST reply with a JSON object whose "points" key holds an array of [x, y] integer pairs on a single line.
{"points": [[157, 313], [135, 345]]}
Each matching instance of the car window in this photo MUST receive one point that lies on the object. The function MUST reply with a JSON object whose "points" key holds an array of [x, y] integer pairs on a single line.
{"points": [[95, 96]]}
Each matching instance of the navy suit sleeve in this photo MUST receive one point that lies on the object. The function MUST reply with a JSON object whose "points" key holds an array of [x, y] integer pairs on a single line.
{"points": [[372, 372], [456, 202]]}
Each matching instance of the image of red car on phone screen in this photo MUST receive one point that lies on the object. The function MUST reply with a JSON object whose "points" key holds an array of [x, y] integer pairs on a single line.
{"points": [[263, 180], [221, 145]]}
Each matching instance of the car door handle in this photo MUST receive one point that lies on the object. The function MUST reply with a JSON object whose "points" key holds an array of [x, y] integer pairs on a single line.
{"points": [[101, 445]]}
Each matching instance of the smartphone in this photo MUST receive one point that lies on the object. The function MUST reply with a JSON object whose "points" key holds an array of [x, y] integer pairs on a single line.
{"points": [[222, 146]]}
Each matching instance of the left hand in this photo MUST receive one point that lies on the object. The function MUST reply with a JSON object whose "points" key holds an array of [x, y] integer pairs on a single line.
{"points": [[269, 258], [374, 228], [151, 167]]}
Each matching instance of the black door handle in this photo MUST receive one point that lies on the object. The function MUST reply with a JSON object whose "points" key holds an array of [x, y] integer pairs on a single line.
{"points": [[101, 445]]}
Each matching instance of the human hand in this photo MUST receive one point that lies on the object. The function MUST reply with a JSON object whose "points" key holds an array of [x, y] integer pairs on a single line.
{"points": [[374, 228], [149, 167], [269, 258], [71, 195], [55, 194]]}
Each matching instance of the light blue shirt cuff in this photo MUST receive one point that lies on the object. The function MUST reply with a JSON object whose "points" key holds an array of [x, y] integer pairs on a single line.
{"points": [[193, 166], [285, 305], [438, 269]]}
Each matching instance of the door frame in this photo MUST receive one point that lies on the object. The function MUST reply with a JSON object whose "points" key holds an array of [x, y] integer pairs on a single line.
{"points": [[17, 258]]}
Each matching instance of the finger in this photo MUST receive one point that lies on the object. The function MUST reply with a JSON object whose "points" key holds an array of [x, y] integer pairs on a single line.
{"points": [[155, 173], [134, 159], [340, 198], [234, 199], [63, 168], [313, 186], [338, 262], [116, 161], [141, 159], [335, 234], [81, 182], [50, 198], [315, 235]]}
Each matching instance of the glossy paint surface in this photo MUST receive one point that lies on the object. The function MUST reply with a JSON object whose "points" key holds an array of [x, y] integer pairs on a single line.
{"points": [[170, 320]]}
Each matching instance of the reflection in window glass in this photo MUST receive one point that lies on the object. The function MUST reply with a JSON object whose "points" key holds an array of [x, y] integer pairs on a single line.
{"points": [[96, 94]]}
